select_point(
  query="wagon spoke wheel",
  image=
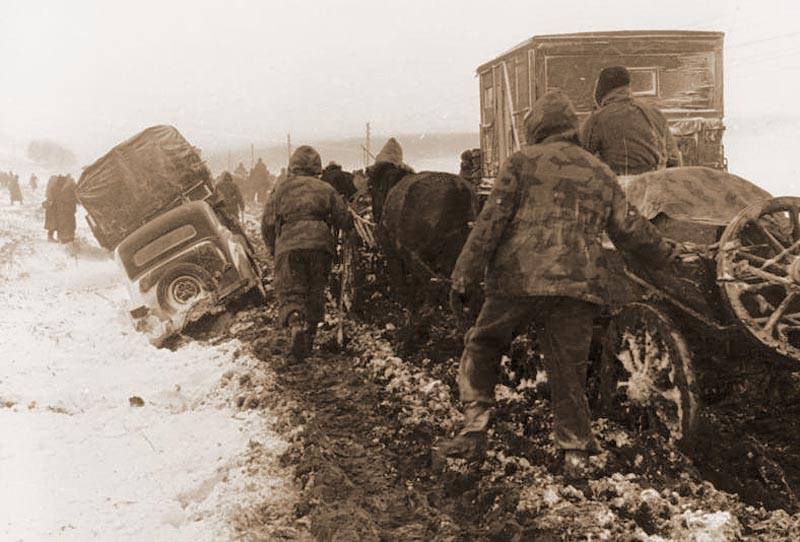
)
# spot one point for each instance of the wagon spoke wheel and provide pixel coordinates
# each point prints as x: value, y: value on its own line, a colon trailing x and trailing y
x: 758, y: 267
x: 646, y: 376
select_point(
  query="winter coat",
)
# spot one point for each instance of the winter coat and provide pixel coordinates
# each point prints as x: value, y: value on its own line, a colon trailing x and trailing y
x: 14, y: 190
x: 50, y: 202
x: 260, y: 180
x: 66, y: 208
x: 60, y: 206
x: 630, y: 136
x: 540, y: 230
x: 302, y: 210
x: 231, y: 195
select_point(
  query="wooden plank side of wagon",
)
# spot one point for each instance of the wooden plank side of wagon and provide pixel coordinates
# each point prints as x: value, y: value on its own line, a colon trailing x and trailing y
x: 679, y: 71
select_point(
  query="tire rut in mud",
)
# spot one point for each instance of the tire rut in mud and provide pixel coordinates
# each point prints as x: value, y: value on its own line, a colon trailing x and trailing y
x: 355, y: 487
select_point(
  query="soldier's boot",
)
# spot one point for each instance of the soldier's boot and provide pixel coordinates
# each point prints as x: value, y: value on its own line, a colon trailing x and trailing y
x: 297, y: 335
x: 470, y: 443
x: 311, y: 334
x: 576, y: 464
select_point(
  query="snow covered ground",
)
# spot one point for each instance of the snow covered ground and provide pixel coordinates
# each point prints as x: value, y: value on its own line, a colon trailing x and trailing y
x: 77, y: 460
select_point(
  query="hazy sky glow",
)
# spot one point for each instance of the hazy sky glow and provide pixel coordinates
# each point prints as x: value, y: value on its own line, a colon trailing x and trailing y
x: 91, y: 73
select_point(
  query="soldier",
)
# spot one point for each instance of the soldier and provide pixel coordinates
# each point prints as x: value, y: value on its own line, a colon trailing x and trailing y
x: 242, y: 179
x: 471, y: 166
x: 50, y: 205
x: 60, y: 206
x: 539, y: 241
x: 341, y: 180
x: 33, y: 182
x: 297, y: 227
x: 14, y: 190
x: 260, y: 181
x: 66, y: 208
x: 630, y: 136
x: 232, y: 197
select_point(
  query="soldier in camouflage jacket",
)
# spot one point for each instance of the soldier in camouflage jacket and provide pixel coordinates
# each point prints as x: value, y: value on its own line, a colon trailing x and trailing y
x: 298, y: 228
x: 537, y: 247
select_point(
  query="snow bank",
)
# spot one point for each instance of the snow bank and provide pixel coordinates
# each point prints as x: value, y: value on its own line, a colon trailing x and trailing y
x: 78, y: 459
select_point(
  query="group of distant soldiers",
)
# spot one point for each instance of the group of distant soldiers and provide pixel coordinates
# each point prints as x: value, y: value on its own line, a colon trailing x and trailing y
x: 535, y: 250
x: 10, y: 181
x: 60, y: 203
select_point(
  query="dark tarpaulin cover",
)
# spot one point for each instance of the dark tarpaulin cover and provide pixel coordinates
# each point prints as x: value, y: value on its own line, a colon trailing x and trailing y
x: 693, y: 194
x: 137, y: 180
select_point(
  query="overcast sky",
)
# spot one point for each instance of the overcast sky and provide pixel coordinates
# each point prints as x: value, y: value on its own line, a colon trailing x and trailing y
x: 92, y: 73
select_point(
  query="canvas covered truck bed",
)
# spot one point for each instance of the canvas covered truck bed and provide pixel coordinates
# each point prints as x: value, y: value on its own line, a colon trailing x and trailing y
x: 139, y: 179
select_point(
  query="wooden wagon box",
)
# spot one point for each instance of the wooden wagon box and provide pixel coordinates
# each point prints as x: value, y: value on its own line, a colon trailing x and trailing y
x: 678, y: 71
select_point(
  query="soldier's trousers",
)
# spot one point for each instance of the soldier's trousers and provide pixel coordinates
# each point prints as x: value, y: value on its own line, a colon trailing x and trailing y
x: 300, y: 280
x: 564, y: 328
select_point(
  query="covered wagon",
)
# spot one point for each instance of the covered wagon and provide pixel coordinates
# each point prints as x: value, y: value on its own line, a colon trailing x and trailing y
x: 680, y: 72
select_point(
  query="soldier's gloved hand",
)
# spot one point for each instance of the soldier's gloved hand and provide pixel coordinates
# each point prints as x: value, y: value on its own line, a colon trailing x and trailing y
x: 689, y: 252
x: 457, y: 302
x: 459, y: 298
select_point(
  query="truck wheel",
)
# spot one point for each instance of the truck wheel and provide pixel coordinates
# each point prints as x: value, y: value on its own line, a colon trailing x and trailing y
x: 646, y: 376
x: 183, y: 285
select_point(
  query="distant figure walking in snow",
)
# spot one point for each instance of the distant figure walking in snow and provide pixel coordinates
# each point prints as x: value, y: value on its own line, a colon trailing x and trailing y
x: 14, y: 190
x: 34, y: 182
x: 60, y: 206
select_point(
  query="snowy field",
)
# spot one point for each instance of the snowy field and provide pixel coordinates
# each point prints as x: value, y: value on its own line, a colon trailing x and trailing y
x: 77, y: 460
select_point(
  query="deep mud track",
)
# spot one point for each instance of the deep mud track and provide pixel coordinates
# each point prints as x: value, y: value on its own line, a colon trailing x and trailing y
x: 362, y: 423
x: 366, y: 421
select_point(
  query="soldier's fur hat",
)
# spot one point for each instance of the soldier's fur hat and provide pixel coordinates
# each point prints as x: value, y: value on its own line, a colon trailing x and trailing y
x: 609, y: 79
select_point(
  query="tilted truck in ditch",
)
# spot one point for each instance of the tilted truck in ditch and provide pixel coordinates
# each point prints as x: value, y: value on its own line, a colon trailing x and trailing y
x: 151, y: 201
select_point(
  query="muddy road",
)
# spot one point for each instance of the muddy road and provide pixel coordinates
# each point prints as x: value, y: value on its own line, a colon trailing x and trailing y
x: 362, y: 422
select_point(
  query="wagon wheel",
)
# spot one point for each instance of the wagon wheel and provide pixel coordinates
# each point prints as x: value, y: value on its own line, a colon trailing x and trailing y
x: 758, y: 267
x: 646, y: 376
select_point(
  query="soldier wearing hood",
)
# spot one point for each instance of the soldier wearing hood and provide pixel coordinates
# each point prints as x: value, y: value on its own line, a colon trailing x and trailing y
x: 536, y: 246
x: 632, y: 137
x: 298, y: 222
x: 259, y: 181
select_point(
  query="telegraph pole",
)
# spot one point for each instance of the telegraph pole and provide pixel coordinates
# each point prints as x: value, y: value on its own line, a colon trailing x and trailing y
x: 289, y: 145
x: 229, y: 160
x: 252, y: 156
x: 367, y: 152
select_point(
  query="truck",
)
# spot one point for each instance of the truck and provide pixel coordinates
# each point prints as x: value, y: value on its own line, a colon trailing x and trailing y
x: 151, y: 201
x: 680, y: 72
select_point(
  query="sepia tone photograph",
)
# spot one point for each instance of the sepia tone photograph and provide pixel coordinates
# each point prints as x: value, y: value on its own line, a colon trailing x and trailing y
x: 446, y: 271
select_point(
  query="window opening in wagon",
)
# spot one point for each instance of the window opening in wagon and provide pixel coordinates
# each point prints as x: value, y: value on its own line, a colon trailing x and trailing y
x: 644, y: 81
